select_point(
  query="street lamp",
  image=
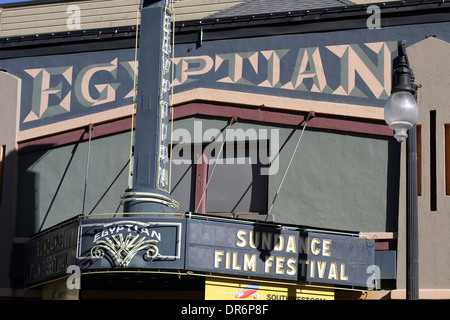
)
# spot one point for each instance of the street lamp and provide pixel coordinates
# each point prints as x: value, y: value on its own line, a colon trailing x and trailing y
x: 401, y: 110
x: 401, y: 113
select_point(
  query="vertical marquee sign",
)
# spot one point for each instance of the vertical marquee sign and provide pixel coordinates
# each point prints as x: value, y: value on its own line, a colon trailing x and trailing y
x: 151, y: 179
x: 165, y: 94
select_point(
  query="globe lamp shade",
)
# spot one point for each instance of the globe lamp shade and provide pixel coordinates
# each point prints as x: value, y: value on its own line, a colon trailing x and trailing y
x: 401, y: 113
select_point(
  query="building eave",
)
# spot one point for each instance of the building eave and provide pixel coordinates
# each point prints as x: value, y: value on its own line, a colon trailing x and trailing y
x: 396, y: 13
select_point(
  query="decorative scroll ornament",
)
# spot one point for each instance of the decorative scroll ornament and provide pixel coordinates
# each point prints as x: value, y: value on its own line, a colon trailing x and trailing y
x: 123, y: 250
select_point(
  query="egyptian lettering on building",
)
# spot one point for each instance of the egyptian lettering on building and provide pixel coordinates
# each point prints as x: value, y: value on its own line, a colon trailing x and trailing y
x: 274, y: 69
x: 68, y: 86
x: 65, y: 88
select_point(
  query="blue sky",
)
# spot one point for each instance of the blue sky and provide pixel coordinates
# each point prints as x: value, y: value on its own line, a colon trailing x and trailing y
x: 12, y: 1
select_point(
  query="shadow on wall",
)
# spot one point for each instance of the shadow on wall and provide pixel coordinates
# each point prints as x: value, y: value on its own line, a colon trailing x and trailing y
x: 26, y: 194
x: 28, y: 187
x: 393, y: 176
x: 52, y: 183
x: 393, y: 185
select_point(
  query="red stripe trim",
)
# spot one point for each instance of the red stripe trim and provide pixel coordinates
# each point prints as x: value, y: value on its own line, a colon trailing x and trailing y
x: 223, y: 111
x: 383, y: 245
x: 278, y: 117
x: 200, y: 183
x: 78, y: 135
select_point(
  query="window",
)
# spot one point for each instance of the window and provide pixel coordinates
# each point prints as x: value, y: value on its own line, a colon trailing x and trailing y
x: 235, y: 181
x: 220, y: 181
x: 447, y: 159
x: 2, y: 169
x: 419, y: 160
x: 433, y: 173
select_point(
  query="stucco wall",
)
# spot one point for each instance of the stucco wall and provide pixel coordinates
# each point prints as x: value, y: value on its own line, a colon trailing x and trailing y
x: 51, y: 183
x: 431, y: 71
x: 336, y: 180
x: 10, y: 100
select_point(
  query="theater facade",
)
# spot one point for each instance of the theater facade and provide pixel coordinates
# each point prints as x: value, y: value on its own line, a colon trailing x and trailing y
x: 240, y: 156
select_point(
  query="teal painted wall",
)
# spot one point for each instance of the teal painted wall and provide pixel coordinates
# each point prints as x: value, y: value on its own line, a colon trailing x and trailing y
x: 337, y: 180
x: 51, y: 183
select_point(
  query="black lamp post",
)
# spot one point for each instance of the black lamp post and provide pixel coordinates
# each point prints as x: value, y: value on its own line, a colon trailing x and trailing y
x: 401, y: 113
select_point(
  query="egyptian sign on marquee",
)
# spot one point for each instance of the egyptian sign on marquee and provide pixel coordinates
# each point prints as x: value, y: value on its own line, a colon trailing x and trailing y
x: 131, y: 243
x: 263, y: 251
